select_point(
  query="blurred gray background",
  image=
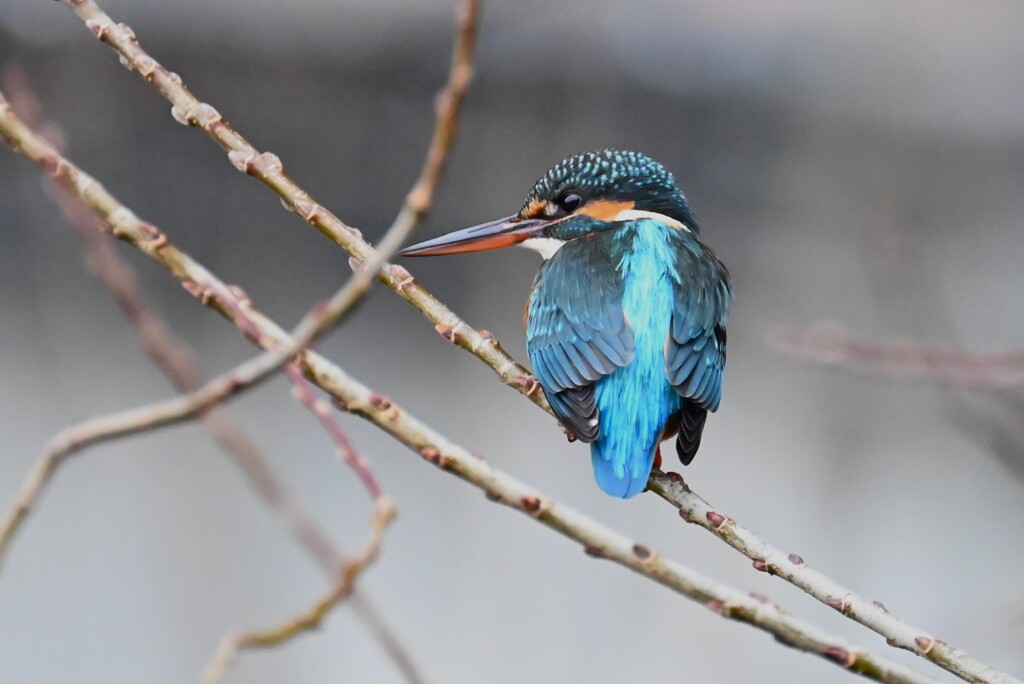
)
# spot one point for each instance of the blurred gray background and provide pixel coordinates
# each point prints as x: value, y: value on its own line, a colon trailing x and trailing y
x: 855, y: 161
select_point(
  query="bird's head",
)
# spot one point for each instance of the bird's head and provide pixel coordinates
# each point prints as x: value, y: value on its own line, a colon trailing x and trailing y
x: 580, y: 195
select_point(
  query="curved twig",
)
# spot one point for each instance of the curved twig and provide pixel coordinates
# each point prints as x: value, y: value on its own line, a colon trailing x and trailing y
x: 311, y: 618
x: 596, y: 539
x: 189, y: 110
x: 267, y: 167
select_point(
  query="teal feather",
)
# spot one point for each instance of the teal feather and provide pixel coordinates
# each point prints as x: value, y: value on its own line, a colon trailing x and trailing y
x: 635, y: 402
x: 625, y: 332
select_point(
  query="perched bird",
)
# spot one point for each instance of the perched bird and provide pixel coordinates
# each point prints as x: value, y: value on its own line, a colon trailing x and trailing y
x: 626, y: 320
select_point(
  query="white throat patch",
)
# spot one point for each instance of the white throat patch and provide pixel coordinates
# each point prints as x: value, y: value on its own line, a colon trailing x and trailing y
x: 545, y: 246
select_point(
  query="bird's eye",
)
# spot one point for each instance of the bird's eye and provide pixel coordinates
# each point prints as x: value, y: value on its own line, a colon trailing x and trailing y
x: 569, y: 202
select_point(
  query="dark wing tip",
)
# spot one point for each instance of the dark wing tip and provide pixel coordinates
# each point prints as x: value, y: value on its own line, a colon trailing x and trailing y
x: 691, y: 428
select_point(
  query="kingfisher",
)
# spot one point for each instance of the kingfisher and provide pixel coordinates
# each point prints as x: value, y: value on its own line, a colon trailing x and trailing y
x: 625, y: 324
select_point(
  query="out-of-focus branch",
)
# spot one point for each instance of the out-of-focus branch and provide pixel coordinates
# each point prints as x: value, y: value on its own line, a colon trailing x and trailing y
x: 323, y: 412
x: 267, y: 167
x: 792, y: 568
x: 348, y: 393
x: 171, y: 357
x: 168, y: 353
x: 175, y: 360
x: 245, y: 376
x: 159, y: 414
x: 829, y: 345
x: 312, y: 617
x: 189, y: 110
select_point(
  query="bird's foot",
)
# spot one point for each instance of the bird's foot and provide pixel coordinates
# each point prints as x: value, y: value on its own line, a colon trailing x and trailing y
x: 568, y: 433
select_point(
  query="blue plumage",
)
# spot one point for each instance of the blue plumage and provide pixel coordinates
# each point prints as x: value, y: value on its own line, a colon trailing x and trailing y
x: 623, y: 331
x: 626, y: 322
x: 636, y: 401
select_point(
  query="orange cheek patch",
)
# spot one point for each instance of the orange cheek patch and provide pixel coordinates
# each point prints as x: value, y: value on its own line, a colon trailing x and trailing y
x: 534, y: 209
x: 605, y: 210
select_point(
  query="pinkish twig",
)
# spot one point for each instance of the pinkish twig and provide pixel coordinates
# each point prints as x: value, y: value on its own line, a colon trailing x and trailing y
x: 831, y: 345
x: 598, y: 540
x: 312, y: 617
x: 323, y: 412
x: 175, y: 360
x: 187, y: 109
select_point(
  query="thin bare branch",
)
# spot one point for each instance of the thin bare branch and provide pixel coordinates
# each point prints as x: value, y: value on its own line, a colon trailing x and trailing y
x: 187, y: 109
x: 599, y: 541
x: 172, y: 357
x: 175, y: 360
x: 267, y: 167
x: 830, y: 345
x: 792, y: 568
x: 324, y: 413
x: 315, y: 614
x: 313, y: 325
x: 596, y: 539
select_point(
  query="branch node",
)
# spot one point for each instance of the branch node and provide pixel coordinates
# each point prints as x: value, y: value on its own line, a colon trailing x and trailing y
x: 97, y: 28
x: 380, y: 402
x: 842, y: 605
x: 146, y: 66
x: 404, y: 279
x: 717, y: 607
x: 720, y: 523
x: 445, y: 331
x: 243, y: 160
x: 207, y: 116
x: 532, y: 504
x: 129, y: 32
x: 686, y: 515
x: 527, y: 384
x: 419, y: 199
x: 840, y: 656
x: 795, y: 559
x: 924, y: 644
x: 271, y: 162
x: 762, y: 598
x: 241, y: 297
x: 642, y: 552
x: 431, y: 454
x: 182, y: 116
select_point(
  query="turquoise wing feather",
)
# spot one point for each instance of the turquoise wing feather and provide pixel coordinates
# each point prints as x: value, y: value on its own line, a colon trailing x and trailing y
x: 576, y: 331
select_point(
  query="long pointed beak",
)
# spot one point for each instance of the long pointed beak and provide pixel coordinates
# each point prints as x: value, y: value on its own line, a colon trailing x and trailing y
x: 504, y: 232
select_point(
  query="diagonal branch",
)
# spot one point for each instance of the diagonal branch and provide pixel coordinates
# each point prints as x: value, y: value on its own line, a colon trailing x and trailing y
x: 255, y: 371
x: 596, y: 539
x: 175, y: 360
x: 267, y: 167
x: 178, y: 365
x: 792, y: 568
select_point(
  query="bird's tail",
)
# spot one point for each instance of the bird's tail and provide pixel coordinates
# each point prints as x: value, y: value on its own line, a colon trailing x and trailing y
x: 621, y: 467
